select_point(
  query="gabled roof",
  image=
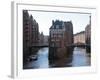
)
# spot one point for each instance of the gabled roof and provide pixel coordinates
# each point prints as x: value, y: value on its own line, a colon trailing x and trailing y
x: 55, y: 23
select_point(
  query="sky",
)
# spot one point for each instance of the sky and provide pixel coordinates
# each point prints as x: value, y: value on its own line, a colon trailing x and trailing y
x: 44, y: 19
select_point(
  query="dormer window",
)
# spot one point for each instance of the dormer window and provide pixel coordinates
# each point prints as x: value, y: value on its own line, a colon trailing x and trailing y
x: 57, y: 26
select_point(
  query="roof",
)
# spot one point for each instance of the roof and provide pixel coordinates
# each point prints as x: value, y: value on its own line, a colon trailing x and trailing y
x: 55, y: 23
x: 82, y: 32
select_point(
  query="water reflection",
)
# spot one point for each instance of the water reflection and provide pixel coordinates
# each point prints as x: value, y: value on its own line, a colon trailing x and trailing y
x: 78, y: 58
x: 41, y: 62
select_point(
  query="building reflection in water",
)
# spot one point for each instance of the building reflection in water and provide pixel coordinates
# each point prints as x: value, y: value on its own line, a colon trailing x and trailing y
x: 60, y: 57
x: 78, y: 58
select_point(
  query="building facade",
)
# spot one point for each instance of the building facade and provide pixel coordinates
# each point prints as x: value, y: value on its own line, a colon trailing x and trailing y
x: 88, y: 36
x: 68, y: 33
x: 60, y: 38
x: 46, y: 37
x: 79, y: 38
x: 41, y: 38
x: 88, y: 32
x: 56, y: 34
x: 30, y: 34
x: 26, y: 37
x: 35, y: 32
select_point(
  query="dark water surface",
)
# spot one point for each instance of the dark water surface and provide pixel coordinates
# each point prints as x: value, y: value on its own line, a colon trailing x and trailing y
x: 79, y: 58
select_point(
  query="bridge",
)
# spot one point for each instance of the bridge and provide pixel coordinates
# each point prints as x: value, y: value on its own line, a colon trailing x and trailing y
x: 79, y: 45
x: 40, y: 45
x: 72, y: 45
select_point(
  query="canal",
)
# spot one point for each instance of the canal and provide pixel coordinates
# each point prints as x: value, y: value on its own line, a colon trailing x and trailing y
x: 79, y: 58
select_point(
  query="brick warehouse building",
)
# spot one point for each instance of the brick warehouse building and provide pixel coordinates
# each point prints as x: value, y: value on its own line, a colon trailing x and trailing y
x: 30, y: 33
x: 88, y: 36
x: 60, y: 38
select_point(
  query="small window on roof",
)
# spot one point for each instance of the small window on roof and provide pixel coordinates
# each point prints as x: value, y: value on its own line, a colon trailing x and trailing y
x: 57, y: 26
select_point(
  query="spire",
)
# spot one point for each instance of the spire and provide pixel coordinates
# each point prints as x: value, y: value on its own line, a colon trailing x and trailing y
x: 52, y: 21
x: 90, y: 20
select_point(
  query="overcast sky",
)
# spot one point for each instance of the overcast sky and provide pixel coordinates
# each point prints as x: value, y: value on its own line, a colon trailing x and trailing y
x: 44, y: 19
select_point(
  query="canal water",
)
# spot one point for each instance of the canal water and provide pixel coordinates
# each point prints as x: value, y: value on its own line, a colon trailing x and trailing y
x: 79, y: 58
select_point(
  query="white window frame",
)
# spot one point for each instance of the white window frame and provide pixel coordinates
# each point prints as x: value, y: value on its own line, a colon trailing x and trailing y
x: 17, y: 70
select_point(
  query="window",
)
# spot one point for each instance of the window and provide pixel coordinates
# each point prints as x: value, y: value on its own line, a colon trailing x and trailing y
x: 57, y: 26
